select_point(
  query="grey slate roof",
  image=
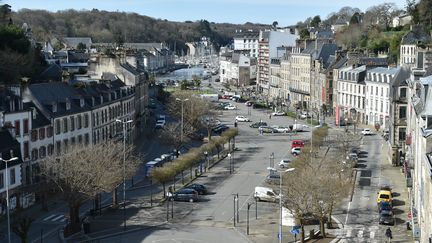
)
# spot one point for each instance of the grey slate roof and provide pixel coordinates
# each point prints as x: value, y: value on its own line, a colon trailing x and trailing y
x: 143, y: 46
x: 52, y: 73
x: 401, y: 77
x: 40, y: 120
x: 391, y: 71
x: 129, y: 68
x: 324, y: 53
x: 373, y: 61
x: 416, y: 36
x: 247, y: 35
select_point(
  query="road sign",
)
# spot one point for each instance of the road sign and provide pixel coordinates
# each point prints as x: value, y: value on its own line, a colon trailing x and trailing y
x: 295, y: 231
x: 279, y: 235
x: 296, y: 227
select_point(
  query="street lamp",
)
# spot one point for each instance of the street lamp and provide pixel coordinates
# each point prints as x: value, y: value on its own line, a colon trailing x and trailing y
x: 182, y: 111
x: 229, y: 156
x: 124, y: 169
x: 280, y: 201
x: 272, y: 160
x: 207, y: 160
x: 6, y: 161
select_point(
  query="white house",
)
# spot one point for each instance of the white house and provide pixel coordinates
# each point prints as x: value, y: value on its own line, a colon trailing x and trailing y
x: 378, y: 95
x: 246, y: 41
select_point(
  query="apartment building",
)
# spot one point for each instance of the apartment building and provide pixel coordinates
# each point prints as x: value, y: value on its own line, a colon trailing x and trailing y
x: 247, y: 41
x: 410, y: 44
x: 237, y: 69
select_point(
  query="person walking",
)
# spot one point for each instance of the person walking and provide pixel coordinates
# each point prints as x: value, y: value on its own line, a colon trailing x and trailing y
x: 270, y: 116
x: 388, y: 234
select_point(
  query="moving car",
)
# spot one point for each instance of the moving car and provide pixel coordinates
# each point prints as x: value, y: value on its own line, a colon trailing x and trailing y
x: 366, y: 131
x: 278, y: 113
x: 267, y: 129
x: 201, y: 189
x: 266, y: 194
x: 296, y: 151
x: 242, y: 119
x: 185, y: 194
x: 284, y: 163
x: 230, y: 107
x: 281, y: 129
x: 258, y: 124
x: 386, y: 217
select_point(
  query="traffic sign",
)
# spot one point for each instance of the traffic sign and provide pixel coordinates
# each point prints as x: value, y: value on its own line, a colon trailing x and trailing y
x: 295, y: 231
x: 279, y: 235
x: 296, y: 227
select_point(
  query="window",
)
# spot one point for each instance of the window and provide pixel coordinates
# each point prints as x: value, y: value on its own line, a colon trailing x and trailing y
x: 402, y: 92
x: 42, y: 152
x: 26, y: 150
x: 402, y: 112
x: 17, y: 128
x: 72, y: 123
x: 376, y: 91
x: 80, y: 139
x: 34, y: 135
x: 58, y: 147
x: 402, y: 134
x: 41, y: 133
x: 12, y: 176
x: 66, y: 144
x: 57, y: 127
x: 86, y: 120
x: 382, y: 91
x: 65, y: 125
x: 1, y: 180
x: 49, y: 132
x: 34, y: 154
x: 50, y: 149
x: 86, y: 139
x: 79, y: 122
x: 72, y: 141
x: 26, y: 126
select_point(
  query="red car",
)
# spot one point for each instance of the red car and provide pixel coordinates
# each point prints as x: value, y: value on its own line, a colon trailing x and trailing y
x: 297, y: 144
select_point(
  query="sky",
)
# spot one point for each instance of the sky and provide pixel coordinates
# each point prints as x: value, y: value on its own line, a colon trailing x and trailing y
x: 285, y: 12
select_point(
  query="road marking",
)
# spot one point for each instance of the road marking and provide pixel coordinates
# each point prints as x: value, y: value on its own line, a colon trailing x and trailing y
x: 372, y: 234
x: 49, y: 217
x: 360, y: 234
x: 348, y: 233
x: 346, y: 218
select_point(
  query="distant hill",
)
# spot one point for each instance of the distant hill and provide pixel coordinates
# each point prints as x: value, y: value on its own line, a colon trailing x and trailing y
x: 104, y: 26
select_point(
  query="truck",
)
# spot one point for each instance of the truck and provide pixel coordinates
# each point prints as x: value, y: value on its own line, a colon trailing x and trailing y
x: 210, y: 97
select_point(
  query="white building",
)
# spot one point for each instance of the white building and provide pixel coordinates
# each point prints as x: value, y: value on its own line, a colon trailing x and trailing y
x: 247, y: 41
x: 410, y: 44
x: 378, y: 95
x: 237, y: 69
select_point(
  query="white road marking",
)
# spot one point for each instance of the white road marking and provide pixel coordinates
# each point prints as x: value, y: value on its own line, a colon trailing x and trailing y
x: 372, y: 234
x: 346, y: 218
x: 360, y: 234
x: 49, y: 217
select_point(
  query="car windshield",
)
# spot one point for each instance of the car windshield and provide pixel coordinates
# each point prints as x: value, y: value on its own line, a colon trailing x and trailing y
x: 384, y: 196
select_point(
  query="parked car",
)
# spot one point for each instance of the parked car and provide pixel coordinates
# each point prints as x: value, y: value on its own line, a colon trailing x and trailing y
x: 267, y: 129
x: 298, y: 143
x: 355, y: 150
x: 220, y: 128
x: 385, y: 195
x: 266, y: 194
x: 273, y: 178
x: 284, y: 163
x: 384, y: 206
x: 386, y: 217
x: 366, y: 131
x: 201, y: 189
x: 296, y: 151
x: 281, y: 129
x: 186, y: 195
x: 242, y: 119
x: 160, y: 124
x: 230, y: 107
x: 258, y: 124
x: 249, y: 103
x: 352, y: 157
x: 278, y: 113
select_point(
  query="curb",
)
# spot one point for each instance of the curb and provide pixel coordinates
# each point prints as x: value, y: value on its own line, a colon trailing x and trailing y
x: 121, y: 233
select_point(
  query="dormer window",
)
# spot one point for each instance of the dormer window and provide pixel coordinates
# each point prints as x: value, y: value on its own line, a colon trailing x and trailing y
x: 54, y: 107
x: 81, y: 102
x: 68, y: 104
x: 402, y: 93
x: 101, y: 99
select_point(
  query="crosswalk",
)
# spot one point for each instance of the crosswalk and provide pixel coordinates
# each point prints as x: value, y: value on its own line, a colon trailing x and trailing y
x: 59, y: 218
x: 358, y: 233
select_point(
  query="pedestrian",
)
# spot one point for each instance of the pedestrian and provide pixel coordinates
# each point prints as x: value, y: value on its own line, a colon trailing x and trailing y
x: 260, y: 130
x: 270, y: 116
x: 388, y: 234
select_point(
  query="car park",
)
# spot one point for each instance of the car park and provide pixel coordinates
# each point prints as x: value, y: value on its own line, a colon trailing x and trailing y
x: 266, y: 194
x: 267, y: 129
x: 296, y: 151
x: 242, y: 119
x: 201, y: 189
x: 366, y: 131
x: 281, y: 129
x: 278, y: 113
x: 284, y: 163
x: 186, y: 195
x: 258, y: 124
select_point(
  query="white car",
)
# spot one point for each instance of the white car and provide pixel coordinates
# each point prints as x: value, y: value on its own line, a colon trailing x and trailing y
x: 284, y: 163
x: 296, y: 151
x: 230, y: 107
x: 278, y: 113
x: 366, y: 131
x: 281, y: 129
x: 242, y: 119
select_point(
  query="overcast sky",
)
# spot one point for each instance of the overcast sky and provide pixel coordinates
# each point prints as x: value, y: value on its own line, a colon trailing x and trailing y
x: 286, y: 12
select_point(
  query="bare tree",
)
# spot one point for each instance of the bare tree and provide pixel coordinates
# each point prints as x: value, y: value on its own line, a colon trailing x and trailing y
x: 82, y: 172
x: 21, y: 227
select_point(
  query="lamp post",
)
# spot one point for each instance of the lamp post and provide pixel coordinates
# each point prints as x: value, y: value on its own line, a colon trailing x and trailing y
x: 6, y: 161
x: 182, y: 120
x: 280, y: 201
x: 272, y: 160
x: 207, y: 160
x: 124, y: 169
x: 229, y: 156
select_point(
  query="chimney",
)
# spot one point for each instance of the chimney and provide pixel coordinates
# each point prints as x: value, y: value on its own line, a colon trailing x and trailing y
x: 54, y: 106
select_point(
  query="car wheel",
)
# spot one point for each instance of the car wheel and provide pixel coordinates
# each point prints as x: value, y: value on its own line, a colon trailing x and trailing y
x: 191, y: 200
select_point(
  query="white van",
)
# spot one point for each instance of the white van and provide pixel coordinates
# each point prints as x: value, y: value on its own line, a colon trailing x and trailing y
x: 266, y: 194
